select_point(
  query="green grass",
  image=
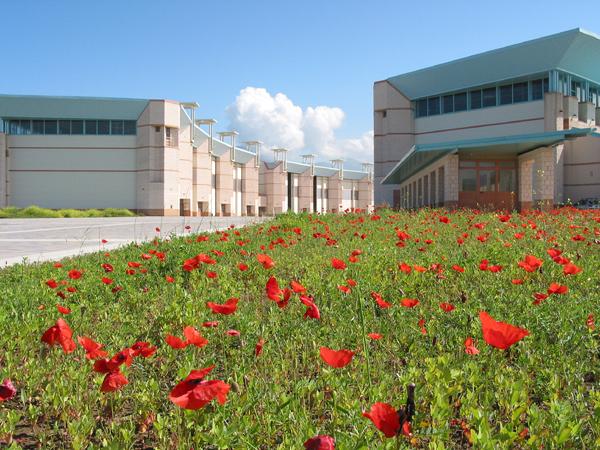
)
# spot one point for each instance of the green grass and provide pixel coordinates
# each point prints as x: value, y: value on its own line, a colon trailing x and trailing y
x: 12, y: 212
x: 547, y: 383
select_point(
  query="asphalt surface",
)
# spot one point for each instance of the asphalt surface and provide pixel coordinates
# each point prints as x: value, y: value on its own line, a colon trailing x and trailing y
x: 33, y: 240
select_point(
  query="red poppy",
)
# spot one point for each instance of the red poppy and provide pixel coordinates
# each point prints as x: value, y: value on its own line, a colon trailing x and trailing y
x: 385, y: 418
x: 272, y: 289
x: 194, y: 337
x: 409, y: 302
x: 57, y: 265
x: 92, y: 348
x: 379, y: 300
x: 447, y: 307
x: 60, y: 334
x: 420, y: 269
x: 259, y: 347
x: 590, y: 322
x: 539, y: 297
x: 405, y: 268
x: 500, y: 334
x: 517, y: 281
x: 113, y: 381
x: 75, y: 274
x: 52, y: 284
x: 175, y: 342
x: 458, y: 268
x: 106, y: 280
x: 243, y: 267
x: 297, y: 287
x: 338, y: 264
x: 344, y: 289
x: 210, y: 324
x: 312, y: 310
x: 444, y: 219
x: 233, y: 332
x: 336, y: 358
x: 63, y: 309
x: 211, y: 274
x: 351, y: 282
x: 320, y: 442
x: 571, y: 269
x: 265, y: 260
x: 375, y: 336
x: 194, y: 392
x: 7, y: 390
x: 531, y: 263
x: 143, y: 349
x: 556, y: 288
x: 287, y: 294
x: 227, y: 308
x: 421, y: 324
x: 470, y: 348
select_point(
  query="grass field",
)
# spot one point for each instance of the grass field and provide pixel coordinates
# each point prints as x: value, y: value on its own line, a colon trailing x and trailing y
x: 402, y: 290
x: 31, y: 212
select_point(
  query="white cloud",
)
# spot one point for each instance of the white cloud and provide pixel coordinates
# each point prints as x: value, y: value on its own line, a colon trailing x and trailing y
x: 278, y: 122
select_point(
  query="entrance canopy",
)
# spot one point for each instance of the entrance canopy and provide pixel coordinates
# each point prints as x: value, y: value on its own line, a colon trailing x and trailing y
x: 422, y: 155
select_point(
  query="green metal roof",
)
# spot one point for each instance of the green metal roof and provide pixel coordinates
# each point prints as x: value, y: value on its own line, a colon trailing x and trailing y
x: 421, y: 156
x: 575, y: 51
x: 47, y: 107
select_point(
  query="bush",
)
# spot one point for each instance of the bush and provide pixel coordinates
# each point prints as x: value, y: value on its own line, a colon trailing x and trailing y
x: 12, y: 212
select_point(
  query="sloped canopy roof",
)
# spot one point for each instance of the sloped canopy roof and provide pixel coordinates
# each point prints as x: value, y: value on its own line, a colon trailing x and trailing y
x: 575, y: 51
x: 47, y: 107
x: 421, y: 156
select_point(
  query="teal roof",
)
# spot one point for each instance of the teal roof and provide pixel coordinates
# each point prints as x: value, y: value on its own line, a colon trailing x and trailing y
x: 575, y: 51
x: 421, y: 156
x: 37, y: 106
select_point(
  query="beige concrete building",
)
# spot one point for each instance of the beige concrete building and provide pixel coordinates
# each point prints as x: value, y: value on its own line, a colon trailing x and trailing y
x: 515, y: 127
x: 307, y: 187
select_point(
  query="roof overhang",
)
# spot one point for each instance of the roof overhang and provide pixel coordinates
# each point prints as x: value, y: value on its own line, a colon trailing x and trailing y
x: 423, y: 155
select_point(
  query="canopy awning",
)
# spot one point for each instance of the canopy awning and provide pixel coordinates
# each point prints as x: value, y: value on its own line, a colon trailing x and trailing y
x: 422, y: 155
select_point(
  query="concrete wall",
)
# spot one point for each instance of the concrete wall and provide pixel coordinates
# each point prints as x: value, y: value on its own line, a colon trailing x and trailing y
x: 3, y: 171
x: 582, y: 169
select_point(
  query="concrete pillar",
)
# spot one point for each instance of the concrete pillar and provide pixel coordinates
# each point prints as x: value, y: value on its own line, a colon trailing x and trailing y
x: 451, y: 181
x: 525, y: 184
x: 305, y: 191
x: 3, y: 171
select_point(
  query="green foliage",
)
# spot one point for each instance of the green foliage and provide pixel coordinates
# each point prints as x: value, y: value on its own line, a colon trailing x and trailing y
x: 12, y: 212
x: 542, y: 392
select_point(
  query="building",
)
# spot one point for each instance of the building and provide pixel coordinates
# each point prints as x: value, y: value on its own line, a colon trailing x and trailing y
x: 150, y: 156
x: 510, y: 128
x: 307, y: 187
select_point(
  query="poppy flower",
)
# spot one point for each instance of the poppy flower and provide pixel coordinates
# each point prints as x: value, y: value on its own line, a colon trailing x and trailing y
x: 338, y: 264
x: 7, y: 390
x: 590, y: 322
x: 345, y: 289
x: 539, y: 297
x: 226, y: 308
x: 265, y: 260
x: 420, y: 269
x: 75, y: 274
x: 556, y: 288
x: 379, y: 300
x: 470, y: 348
x: 63, y: 309
x: 447, y: 307
x: 233, y: 332
x: 60, y: 334
x: 405, y: 268
x: 272, y: 289
x: 175, y: 342
x: 458, y: 268
x: 92, y: 348
x: 169, y: 279
x: 107, y: 280
x: 52, y: 284
x: 113, y: 381
x: 336, y: 358
x: 409, y: 302
x: 210, y: 324
x: 421, y: 324
x: 516, y: 281
x: 143, y: 349
x: 297, y: 287
x: 194, y: 337
x: 500, y: 334
x: 242, y: 267
x: 571, y: 269
x: 259, y: 347
x: 210, y: 274
x: 530, y: 263
x: 194, y: 392
x: 385, y: 418
x: 312, y: 310
x: 287, y: 294
x: 320, y: 442
x: 351, y: 282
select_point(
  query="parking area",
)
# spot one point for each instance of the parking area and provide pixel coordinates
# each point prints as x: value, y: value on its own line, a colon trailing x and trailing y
x: 33, y: 240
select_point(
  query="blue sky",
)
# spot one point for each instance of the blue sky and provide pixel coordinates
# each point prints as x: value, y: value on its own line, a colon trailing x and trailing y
x: 325, y: 53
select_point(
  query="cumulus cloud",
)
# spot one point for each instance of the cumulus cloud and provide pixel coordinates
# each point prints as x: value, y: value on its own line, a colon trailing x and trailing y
x: 278, y: 122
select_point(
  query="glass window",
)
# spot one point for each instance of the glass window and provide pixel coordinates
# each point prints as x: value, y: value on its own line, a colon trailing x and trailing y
x: 433, y: 106
x: 460, y: 101
x: 50, y: 127
x: 507, y: 181
x: 77, y: 127
x: 64, y: 127
x: 422, y: 107
x: 546, y: 84
x: 104, y: 127
x: 38, y: 127
x: 520, y: 92
x: 487, y: 164
x: 468, y: 164
x: 487, y: 180
x: 468, y: 180
x: 489, y: 97
x: 14, y: 127
x: 116, y: 127
x: 506, y: 163
x: 448, y: 103
x: 91, y: 127
x: 576, y: 89
x: 26, y: 126
x: 506, y: 93
x: 129, y: 127
x: 475, y: 99
x: 537, y: 92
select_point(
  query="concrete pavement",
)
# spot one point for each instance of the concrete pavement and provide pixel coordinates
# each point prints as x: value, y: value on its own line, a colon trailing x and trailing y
x: 33, y: 240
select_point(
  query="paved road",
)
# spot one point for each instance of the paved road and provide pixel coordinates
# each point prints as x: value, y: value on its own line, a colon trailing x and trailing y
x: 34, y: 240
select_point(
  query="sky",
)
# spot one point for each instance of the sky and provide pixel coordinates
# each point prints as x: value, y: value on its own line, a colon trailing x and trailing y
x: 293, y: 74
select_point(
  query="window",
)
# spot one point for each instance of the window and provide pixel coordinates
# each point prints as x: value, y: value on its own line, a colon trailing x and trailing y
x: 520, y: 92
x: 475, y: 99
x: 116, y: 127
x: 104, y: 127
x: 433, y: 106
x: 468, y: 180
x: 64, y: 127
x: 91, y: 127
x: 171, y: 137
x: 37, y: 127
x: 448, y: 103
x: 537, y: 92
x: 129, y: 127
x: 422, y: 107
x: 460, y: 101
x: 384, y: 114
x: 506, y: 94
x: 576, y: 89
x: 487, y: 180
x: 76, y: 126
x: 25, y: 126
x: 489, y: 97
x: 50, y: 127
x: 507, y: 180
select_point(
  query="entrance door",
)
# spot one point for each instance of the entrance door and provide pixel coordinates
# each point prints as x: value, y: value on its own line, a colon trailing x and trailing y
x: 488, y: 184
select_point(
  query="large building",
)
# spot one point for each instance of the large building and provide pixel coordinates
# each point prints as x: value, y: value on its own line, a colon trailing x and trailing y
x: 515, y: 127
x: 154, y: 157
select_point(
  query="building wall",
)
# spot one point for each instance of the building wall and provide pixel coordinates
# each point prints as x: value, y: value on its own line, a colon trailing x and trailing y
x: 274, y: 188
x: 306, y: 192
x: 582, y: 169
x: 250, y: 197
x: 3, y: 171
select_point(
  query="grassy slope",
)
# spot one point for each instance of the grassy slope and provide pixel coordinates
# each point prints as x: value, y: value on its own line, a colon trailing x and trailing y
x: 287, y: 394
